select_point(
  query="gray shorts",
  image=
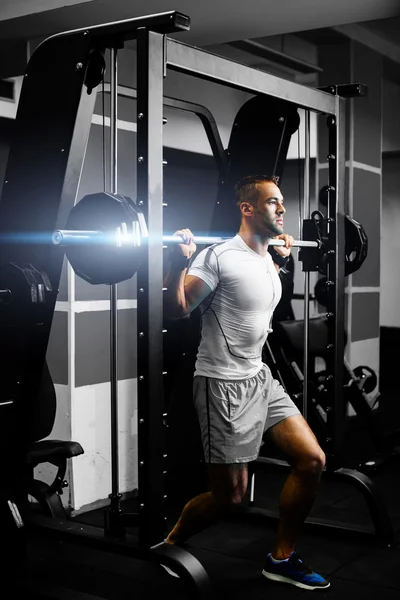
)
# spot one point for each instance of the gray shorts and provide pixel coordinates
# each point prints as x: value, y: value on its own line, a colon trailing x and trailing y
x: 234, y: 415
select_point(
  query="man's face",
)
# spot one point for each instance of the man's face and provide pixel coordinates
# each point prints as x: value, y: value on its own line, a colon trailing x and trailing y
x: 269, y: 210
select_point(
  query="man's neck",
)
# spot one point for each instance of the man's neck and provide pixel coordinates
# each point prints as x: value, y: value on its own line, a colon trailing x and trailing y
x: 256, y: 242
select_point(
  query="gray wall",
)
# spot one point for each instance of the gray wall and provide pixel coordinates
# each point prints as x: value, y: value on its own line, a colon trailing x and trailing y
x: 390, y: 244
x: 391, y: 121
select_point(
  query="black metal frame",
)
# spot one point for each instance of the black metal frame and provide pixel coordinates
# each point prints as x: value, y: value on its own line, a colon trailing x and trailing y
x: 151, y: 435
x: 204, y: 114
x: 335, y: 287
x: 40, y: 189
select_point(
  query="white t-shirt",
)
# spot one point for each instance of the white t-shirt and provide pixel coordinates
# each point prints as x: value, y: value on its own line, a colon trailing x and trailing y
x: 236, y: 316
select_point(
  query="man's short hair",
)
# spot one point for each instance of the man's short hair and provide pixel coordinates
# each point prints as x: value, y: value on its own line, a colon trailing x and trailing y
x: 246, y: 190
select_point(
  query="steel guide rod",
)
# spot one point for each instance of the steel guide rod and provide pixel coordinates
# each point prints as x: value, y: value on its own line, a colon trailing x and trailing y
x: 307, y: 273
x: 338, y: 325
x: 115, y: 495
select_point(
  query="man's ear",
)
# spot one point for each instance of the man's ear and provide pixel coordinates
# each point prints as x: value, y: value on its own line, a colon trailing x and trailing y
x: 247, y: 208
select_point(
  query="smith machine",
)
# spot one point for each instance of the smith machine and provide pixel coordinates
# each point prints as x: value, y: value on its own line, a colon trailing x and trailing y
x: 108, y: 237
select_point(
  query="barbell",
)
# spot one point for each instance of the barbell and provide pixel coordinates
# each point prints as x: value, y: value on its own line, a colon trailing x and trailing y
x: 105, y: 234
x: 122, y: 247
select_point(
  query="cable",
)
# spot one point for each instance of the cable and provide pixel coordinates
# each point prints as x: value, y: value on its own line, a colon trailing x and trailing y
x: 104, y: 137
x: 280, y: 146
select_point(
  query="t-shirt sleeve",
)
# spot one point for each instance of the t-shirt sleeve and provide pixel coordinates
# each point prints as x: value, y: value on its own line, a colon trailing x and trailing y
x: 205, y: 266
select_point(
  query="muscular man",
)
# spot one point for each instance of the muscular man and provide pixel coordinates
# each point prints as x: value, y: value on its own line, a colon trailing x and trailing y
x: 236, y: 285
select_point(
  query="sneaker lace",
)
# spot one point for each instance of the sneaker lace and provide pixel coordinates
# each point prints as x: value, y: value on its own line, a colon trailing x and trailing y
x: 296, y: 561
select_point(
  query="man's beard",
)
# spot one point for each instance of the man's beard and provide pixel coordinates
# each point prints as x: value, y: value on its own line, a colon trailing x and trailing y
x: 271, y: 230
x: 268, y: 228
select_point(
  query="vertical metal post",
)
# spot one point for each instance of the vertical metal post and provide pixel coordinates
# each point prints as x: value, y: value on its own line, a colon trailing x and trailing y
x: 151, y: 428
x: 307, y: 273
x: 335, y: 281
x: 112, y: 525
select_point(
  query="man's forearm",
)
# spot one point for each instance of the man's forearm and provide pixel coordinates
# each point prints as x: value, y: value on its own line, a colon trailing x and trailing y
x: 175, y: 303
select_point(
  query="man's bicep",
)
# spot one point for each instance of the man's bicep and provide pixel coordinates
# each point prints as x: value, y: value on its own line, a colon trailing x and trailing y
x: 196, y: 290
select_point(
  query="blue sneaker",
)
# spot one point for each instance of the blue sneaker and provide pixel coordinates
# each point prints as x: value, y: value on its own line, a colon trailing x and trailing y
x: 294, y: 571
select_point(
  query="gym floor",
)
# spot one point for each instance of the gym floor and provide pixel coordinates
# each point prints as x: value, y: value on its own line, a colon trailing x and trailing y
x: 233, y: 552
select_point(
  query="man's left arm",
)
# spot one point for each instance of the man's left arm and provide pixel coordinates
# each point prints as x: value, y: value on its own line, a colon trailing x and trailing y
x: 280, y: 254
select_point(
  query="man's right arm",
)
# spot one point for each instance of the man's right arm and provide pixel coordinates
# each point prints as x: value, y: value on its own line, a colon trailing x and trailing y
x: 183, y: 292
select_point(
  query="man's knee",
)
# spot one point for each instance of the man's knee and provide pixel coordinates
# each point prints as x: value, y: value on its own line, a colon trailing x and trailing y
x: 311, y: 463
x: 228, y: 499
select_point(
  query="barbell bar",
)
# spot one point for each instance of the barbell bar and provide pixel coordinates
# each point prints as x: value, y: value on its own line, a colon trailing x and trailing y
x: 105, y: 232
x: 67, y: 237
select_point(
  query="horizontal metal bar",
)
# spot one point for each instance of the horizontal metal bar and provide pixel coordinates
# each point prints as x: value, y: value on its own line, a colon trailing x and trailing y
x: 346, y: 90
x: 202, y: 64
x: 120, y: 31
x: 64, y: 237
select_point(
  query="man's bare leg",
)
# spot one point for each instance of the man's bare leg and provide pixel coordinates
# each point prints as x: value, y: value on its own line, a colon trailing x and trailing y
x: 228, y: 485
x: 300, y: 447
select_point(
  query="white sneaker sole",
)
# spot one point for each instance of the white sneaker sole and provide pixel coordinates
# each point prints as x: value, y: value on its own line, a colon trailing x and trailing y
x: 284, y: 579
